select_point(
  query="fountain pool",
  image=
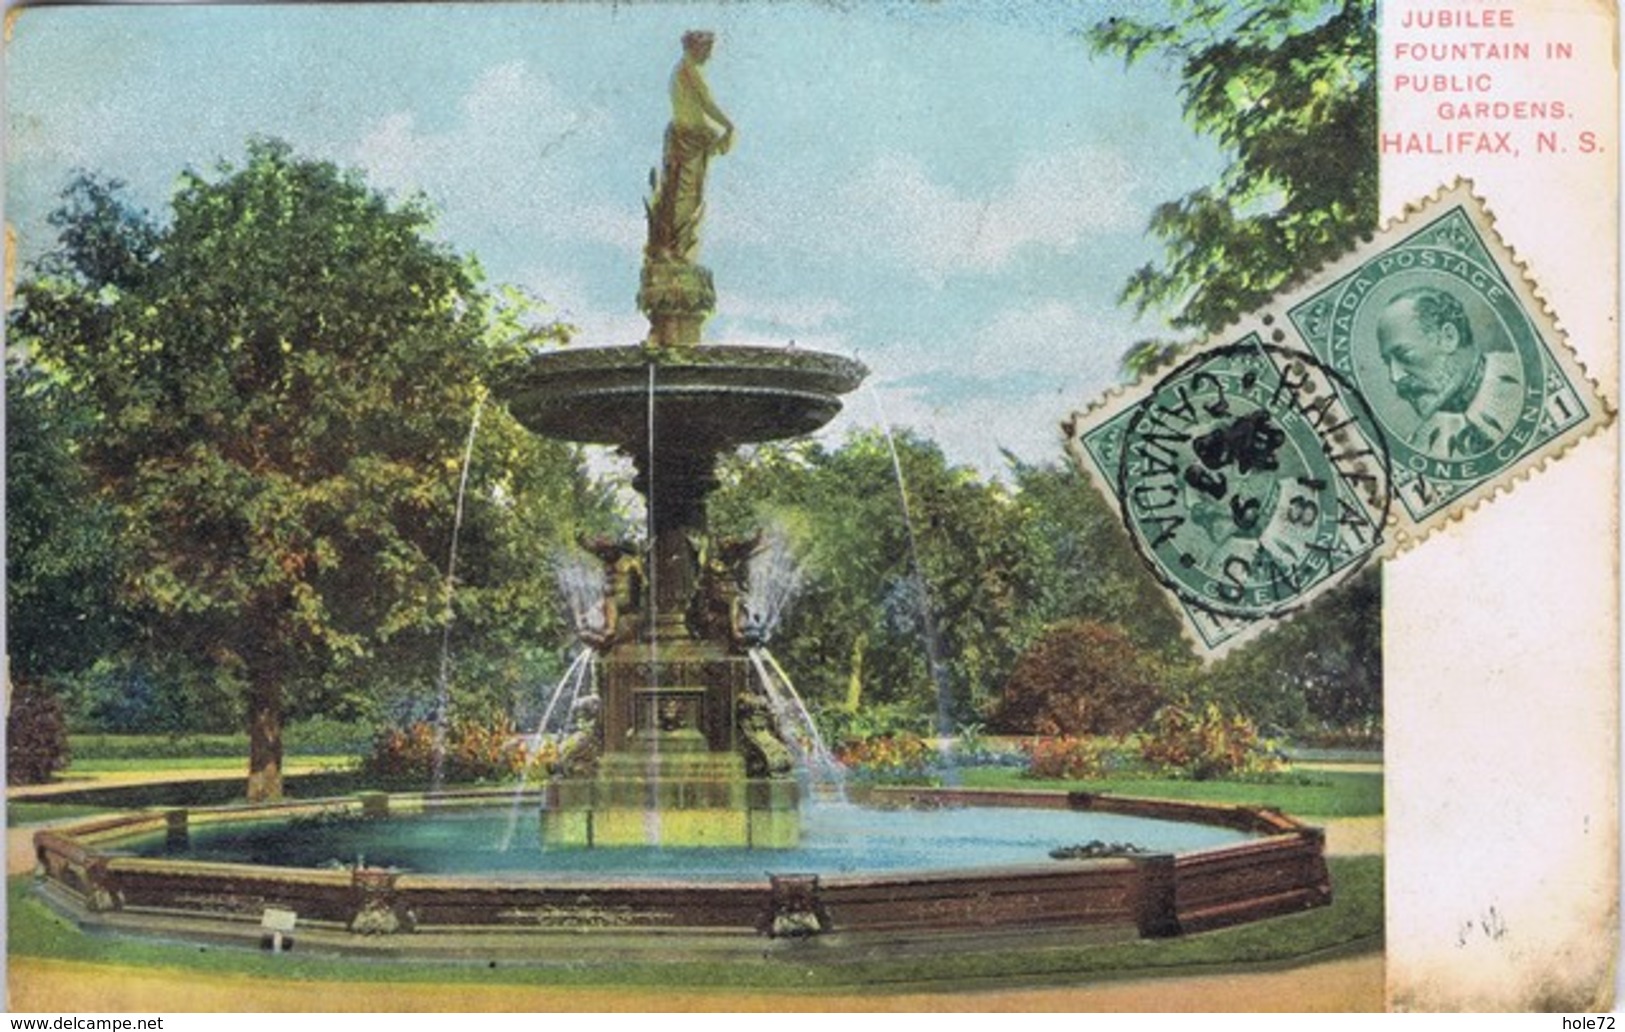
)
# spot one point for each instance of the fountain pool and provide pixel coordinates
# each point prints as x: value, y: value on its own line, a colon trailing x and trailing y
x: 425, y: 871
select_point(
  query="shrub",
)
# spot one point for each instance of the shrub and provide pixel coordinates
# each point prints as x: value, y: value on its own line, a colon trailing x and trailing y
x: 473, y: 751
x: 888, y: 757
x: 871, y: 721
x: 1080, y: 678
x: 36, y: 734
x: 1204, y: 742
x: 1064, y: 757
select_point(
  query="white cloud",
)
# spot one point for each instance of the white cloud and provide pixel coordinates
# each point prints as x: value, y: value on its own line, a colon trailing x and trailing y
x: 393, y: 153
x: 1054, y: 202
x: 1054, y: 336
x: 494, y: 160
x: 972, y: 431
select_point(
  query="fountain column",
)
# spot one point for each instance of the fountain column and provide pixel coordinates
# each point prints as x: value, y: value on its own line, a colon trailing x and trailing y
x: 674, y: 485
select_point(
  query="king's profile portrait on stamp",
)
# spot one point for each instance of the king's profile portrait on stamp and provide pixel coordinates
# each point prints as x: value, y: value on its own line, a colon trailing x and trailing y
x: 1467, y: 397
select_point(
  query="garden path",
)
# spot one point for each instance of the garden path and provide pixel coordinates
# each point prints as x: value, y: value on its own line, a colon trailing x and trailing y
x: 1341, y: 985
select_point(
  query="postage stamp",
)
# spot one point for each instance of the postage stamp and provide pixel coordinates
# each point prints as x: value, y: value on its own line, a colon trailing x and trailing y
x: 1248, y: 478
x: 1389, y: 393
x: 1463, y: 369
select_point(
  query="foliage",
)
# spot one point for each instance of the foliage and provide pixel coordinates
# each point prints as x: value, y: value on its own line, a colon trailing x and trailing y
x: 892, y: 757
x: 916, y: 612
x: 1288, y: 88
x: 1204, y: 742
x: 1064, y: 756
x: 1320, y: 670
x: 283, y: 378
x: 129, y: 693
x: 1077, y: 562
x: 62, y: 554
x: 36, y: 734
x: 105, y: 240
x: 1080, y: 677
x: 972, y: 747
x: 472, y: 751
x: 875, y: 721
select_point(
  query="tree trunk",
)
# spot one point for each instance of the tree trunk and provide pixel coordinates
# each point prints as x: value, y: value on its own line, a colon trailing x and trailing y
x: 264, y: 734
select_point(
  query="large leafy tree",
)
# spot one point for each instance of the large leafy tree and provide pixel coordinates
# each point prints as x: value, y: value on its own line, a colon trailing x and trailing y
x: 283, y: 377
x: 1288, y: 89
x: 61, y: 568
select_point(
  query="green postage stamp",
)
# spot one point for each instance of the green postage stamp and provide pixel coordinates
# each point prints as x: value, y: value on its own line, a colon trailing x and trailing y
x: 1389, y: 393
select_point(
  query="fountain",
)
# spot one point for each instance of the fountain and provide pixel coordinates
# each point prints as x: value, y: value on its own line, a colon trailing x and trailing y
x: 689, y: 752
x: 690, y: 739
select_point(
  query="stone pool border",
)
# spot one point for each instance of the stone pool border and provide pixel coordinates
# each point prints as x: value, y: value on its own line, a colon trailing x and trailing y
x: 378, y: 911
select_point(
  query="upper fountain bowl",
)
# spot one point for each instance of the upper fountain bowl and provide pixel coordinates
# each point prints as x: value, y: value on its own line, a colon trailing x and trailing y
x: 715, y: 397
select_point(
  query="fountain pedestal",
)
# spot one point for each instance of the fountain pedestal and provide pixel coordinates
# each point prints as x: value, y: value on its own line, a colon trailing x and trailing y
x: 673, y: 799
x: 673, y: 769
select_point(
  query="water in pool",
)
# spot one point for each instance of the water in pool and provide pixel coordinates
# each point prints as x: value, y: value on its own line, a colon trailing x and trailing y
x: 836, y: 839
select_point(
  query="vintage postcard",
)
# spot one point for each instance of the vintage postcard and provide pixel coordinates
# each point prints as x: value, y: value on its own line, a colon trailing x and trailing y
x: 1097, y: 505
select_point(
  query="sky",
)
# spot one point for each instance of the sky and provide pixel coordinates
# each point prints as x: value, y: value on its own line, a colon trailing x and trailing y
x: 952, y: 192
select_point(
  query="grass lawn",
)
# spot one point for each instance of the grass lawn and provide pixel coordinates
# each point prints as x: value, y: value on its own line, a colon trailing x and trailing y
x: 1304, y: 794
x: 23, y: 812
x: 1309, y: 794
x: 1352, y: 923
x: 91, y: 798
x: 190, y: 763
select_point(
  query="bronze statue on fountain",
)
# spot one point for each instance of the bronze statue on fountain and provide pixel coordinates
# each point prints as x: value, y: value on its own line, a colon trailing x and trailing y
x: 688, y: 751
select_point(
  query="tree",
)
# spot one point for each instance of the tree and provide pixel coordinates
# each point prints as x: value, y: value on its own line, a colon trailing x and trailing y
x: 1080, y: 678
x: 1078, y: 563
x: 1320, y: 671
x: 918, y: 611
x: 283, y: 378
x: 1288, y: 87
